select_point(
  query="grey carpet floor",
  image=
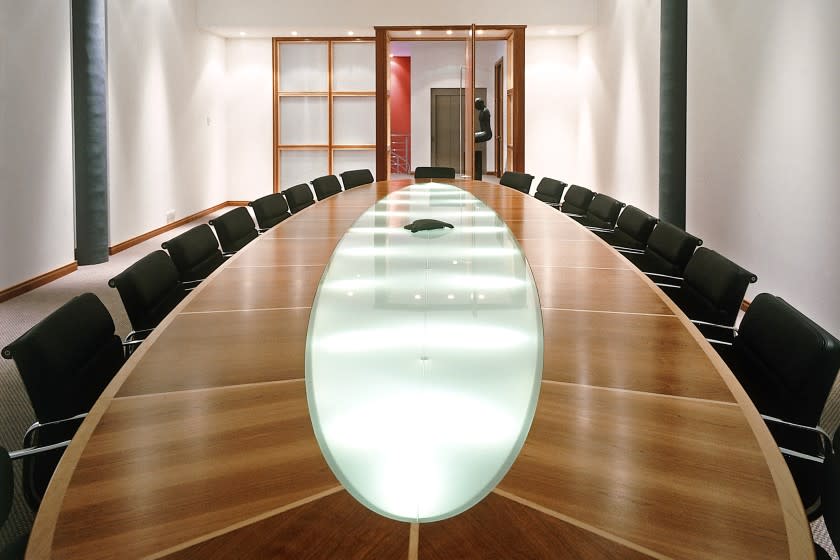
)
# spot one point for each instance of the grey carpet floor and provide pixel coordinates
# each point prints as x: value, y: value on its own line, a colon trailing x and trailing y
x: 19, y: 314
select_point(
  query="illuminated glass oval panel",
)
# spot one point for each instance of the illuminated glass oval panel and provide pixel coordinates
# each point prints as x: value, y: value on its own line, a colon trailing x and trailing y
x: 424, y: 355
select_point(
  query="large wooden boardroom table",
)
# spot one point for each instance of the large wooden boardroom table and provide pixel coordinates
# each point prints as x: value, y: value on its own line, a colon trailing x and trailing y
x: 643, y: 445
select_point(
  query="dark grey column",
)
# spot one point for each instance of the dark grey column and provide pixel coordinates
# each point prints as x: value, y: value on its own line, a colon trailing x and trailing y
x: 672, y: 107
x: 90, y: 130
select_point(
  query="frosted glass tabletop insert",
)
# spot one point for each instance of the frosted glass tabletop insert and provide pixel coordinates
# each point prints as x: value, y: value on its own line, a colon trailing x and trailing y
x: 424, y: 355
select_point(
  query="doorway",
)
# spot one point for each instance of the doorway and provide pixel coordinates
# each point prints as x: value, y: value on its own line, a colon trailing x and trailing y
x: 448, y: 108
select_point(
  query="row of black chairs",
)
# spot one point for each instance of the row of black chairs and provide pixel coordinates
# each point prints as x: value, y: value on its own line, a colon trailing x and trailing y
x: 786, y: 363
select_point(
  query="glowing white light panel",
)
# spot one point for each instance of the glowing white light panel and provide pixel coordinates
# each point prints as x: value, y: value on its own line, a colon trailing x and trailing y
x: 424, y: 355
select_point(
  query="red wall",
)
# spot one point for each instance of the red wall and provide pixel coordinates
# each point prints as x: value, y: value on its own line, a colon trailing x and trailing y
x: 401, y: 95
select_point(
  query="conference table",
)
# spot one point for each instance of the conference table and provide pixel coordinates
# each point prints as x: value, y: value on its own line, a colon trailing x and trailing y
x: 642, y: 443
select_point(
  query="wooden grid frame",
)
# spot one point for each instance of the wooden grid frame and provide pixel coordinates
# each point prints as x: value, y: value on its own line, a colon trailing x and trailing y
x: 330, y: 94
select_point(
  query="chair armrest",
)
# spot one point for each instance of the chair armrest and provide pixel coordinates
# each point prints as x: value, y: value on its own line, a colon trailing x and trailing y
x: 38, y: 425
x: 825, y: 439
x: 628, y: 250
x: 670, y: 277
x: 26, y: 452
x: 600, y: 229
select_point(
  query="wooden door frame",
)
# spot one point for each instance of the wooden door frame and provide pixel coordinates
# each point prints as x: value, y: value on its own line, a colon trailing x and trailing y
x: 498, y: 102
x: 517, y: 37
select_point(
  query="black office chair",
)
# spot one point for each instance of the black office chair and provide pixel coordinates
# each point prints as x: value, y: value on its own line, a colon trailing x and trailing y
x: 667, y: 253
x: 235, y: 229
x: 602, y: 213
x: 632, y: 230
x: 711, y: 292
x: 326, y: 186
x: 787, y: 365
x: 149, y: 290
x: 434, y: 173
x: 516, y: 180
x: 270, y: 210
x: 65, y: 362
x: 577, y: 201
x: 550, y: 191
x: 195, y: 253
x: 299, y: 197
x: 356, y: 178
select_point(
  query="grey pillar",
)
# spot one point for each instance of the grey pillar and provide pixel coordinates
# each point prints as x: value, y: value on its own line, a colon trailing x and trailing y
x: 672, y: 107
x: 90, y: 130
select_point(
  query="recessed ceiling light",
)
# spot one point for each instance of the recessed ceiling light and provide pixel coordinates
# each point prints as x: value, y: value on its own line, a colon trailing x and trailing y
x: 350, y: 33
x: 480, y: 32
x: 552, y: 32
x: 242, y: 33
x: 449, y: 32
x: 294, y: 33
x: 418, y: 32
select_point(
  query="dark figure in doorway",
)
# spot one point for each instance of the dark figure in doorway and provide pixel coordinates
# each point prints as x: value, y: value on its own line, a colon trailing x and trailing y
x: 485, y: 133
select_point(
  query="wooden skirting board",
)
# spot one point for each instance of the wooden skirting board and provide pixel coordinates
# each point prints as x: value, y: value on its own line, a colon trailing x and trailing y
x: 37, y: 282
x: 113, y: 250
x: 47, y: 277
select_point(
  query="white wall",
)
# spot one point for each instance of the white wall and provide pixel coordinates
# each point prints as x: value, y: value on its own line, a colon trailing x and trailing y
x: 763, y: 143
x: 36, y: 169
x: 618, y: 137
x: 166, y: 115
x: 552, y: 98
x: 249, y: 136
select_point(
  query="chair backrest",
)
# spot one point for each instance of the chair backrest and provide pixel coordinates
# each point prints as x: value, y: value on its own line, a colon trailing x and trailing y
x: 636, y: 223
x: 434, y: 173
x: 195, y: 253
x: 149, y: 289
x: 356, y: 177
x: 718, y: 282
x: 67, y: 359
x: 673, y: 245
x: 550, y: 190
x: 7, y: 487
x: 603, y: 211
x: 270, y: 210
x: 794, y: 357
x: 299, y: 197
x: 235, y: 229
x: 577, y: 200
x: 326, y: 186
x: 516, y: 180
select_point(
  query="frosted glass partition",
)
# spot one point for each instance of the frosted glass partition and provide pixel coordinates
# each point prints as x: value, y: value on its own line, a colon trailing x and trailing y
x: 345, y: 160
x: 301, y: 166
x: 354, y: 120
x: 304, y: 67
x: 304, y: 120
x: 354, y: 66
x: 424, y: 355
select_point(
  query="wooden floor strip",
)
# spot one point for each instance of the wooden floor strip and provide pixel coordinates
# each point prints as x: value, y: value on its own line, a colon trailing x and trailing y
x: 208, y: 389
x: 582, y: 525
x: 641, y: 393
x: 610, y: 312
x: 414, y: 542
x: 241, y: 310
x: 244, y: 523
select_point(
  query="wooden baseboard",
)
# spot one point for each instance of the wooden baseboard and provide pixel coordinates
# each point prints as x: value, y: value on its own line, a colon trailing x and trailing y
x: 37, y: 282
x: 113, y: 250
